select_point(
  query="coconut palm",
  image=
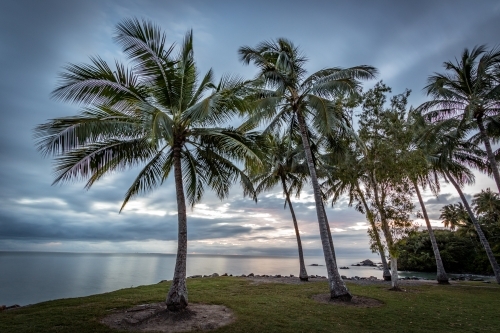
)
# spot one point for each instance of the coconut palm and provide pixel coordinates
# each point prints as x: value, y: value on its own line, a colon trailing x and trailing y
x: 344, y: 173
x: 453, y: 216
x: 469, y: 91
x: 286, y: 95
x: 280, y: 167
x: 157, y: 114
x: 487, y: 203
x: 422, y: 175
x: 453, y: 153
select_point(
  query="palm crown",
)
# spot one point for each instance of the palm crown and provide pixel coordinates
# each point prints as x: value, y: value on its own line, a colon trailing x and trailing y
x: 156, y: 114
x: 469, y: 92
x: 146, y: 114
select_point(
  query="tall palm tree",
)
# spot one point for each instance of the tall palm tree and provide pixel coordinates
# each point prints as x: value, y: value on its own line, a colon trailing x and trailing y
x: 281, y: 167
x: 421, y: 173
x: 441, y: 276
x: 469, y: 91
x: 286, y: 95
x: 157, y: 114
x: 477, y: 226
x: 452, y: 156
x: 344, y: 173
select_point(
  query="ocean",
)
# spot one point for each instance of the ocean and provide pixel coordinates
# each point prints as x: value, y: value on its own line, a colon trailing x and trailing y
x: 33, y: 277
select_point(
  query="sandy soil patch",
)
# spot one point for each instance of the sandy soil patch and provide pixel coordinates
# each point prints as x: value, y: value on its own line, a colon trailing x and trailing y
x: 286, y: 280
x: 155, y: 317
x: 356, y: 301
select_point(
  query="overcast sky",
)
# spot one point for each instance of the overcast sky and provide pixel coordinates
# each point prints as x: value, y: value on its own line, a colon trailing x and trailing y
x: 406, y: 41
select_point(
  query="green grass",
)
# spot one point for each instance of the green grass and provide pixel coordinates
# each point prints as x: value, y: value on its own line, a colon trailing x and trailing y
x: 465, y: 307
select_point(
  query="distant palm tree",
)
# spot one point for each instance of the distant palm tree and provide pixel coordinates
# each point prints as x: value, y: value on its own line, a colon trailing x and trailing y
x: 422, y: 174
x: 453, y: 216
x: 286, y: 96
x: 281, y: 167
x: 469, y: 90
x: 158, y: 115
x: 344, y: 174
x: 487, y: 203
x: 452, y: 155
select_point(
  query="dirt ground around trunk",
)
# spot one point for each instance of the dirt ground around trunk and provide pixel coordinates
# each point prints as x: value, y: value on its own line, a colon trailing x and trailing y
x: 296, y: 280
x: 356, y: 301
x: 155, y: 317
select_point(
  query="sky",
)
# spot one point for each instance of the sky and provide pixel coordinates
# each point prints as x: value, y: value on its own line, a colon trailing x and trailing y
x: 406, y: 41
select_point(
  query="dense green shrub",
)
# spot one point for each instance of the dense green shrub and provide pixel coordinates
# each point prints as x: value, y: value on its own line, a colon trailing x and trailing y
x: 460, y: 253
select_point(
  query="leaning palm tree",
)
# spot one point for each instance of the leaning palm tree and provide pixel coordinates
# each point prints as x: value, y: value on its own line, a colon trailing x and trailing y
x: 344, y: 174
x: 452, y: 156
x: 469, y: 91
x: 421, y: 174
x: 285, y: 95
x: 156, y: 114
x: 281, y: 167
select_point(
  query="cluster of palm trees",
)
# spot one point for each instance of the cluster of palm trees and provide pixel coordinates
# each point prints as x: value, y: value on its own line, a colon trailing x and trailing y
x: 160, y: 114
x: 485, y: 206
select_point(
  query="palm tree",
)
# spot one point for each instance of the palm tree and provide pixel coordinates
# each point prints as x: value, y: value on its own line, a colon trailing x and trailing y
x: 488, y: 204
x: 470, y: 90
x: 452, y: 155
x: 285, y: 95
x: 420, y: 173
x: 453, y: 216
x: 280, y: 167
x: 157, y: 114
x: 344, y: 173
x: 441, y: 276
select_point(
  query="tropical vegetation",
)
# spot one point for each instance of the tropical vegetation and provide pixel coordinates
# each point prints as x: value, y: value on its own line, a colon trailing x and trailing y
x: 285, y: 97
x: 292, y: 130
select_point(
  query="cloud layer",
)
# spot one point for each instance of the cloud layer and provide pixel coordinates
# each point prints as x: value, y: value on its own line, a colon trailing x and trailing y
x: 406, y: 41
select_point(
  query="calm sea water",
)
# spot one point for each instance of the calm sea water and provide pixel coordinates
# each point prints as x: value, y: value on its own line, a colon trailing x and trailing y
x: 32, y: 277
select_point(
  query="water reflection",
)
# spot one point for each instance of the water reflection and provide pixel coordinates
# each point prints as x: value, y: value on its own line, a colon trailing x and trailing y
x: 29, y: 277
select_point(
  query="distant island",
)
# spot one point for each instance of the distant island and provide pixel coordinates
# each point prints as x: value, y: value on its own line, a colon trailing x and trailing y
x: 366, y: 262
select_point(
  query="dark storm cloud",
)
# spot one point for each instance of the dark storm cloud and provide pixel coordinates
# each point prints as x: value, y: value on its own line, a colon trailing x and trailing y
x: 407, y: 41
x: 131, y: 227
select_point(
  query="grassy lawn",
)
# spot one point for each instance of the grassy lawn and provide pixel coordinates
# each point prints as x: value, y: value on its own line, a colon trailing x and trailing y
x: 465, y: 307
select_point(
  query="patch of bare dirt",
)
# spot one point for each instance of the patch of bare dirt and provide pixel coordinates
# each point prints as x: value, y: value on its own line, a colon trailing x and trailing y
x: 356, y: 301
x: 155, y: 317
x: 286, y: 280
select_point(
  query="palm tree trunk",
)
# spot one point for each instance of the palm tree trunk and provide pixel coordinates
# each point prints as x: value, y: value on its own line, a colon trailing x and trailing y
x: 387, y: 234
x: 482, y: 238
x: 441, y: 277
x: 177, y: 297
x: 386, y: 273
x: 303, y: 273
x: 338, y: 289
x: 489, y: 151
x: 330, y: 238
